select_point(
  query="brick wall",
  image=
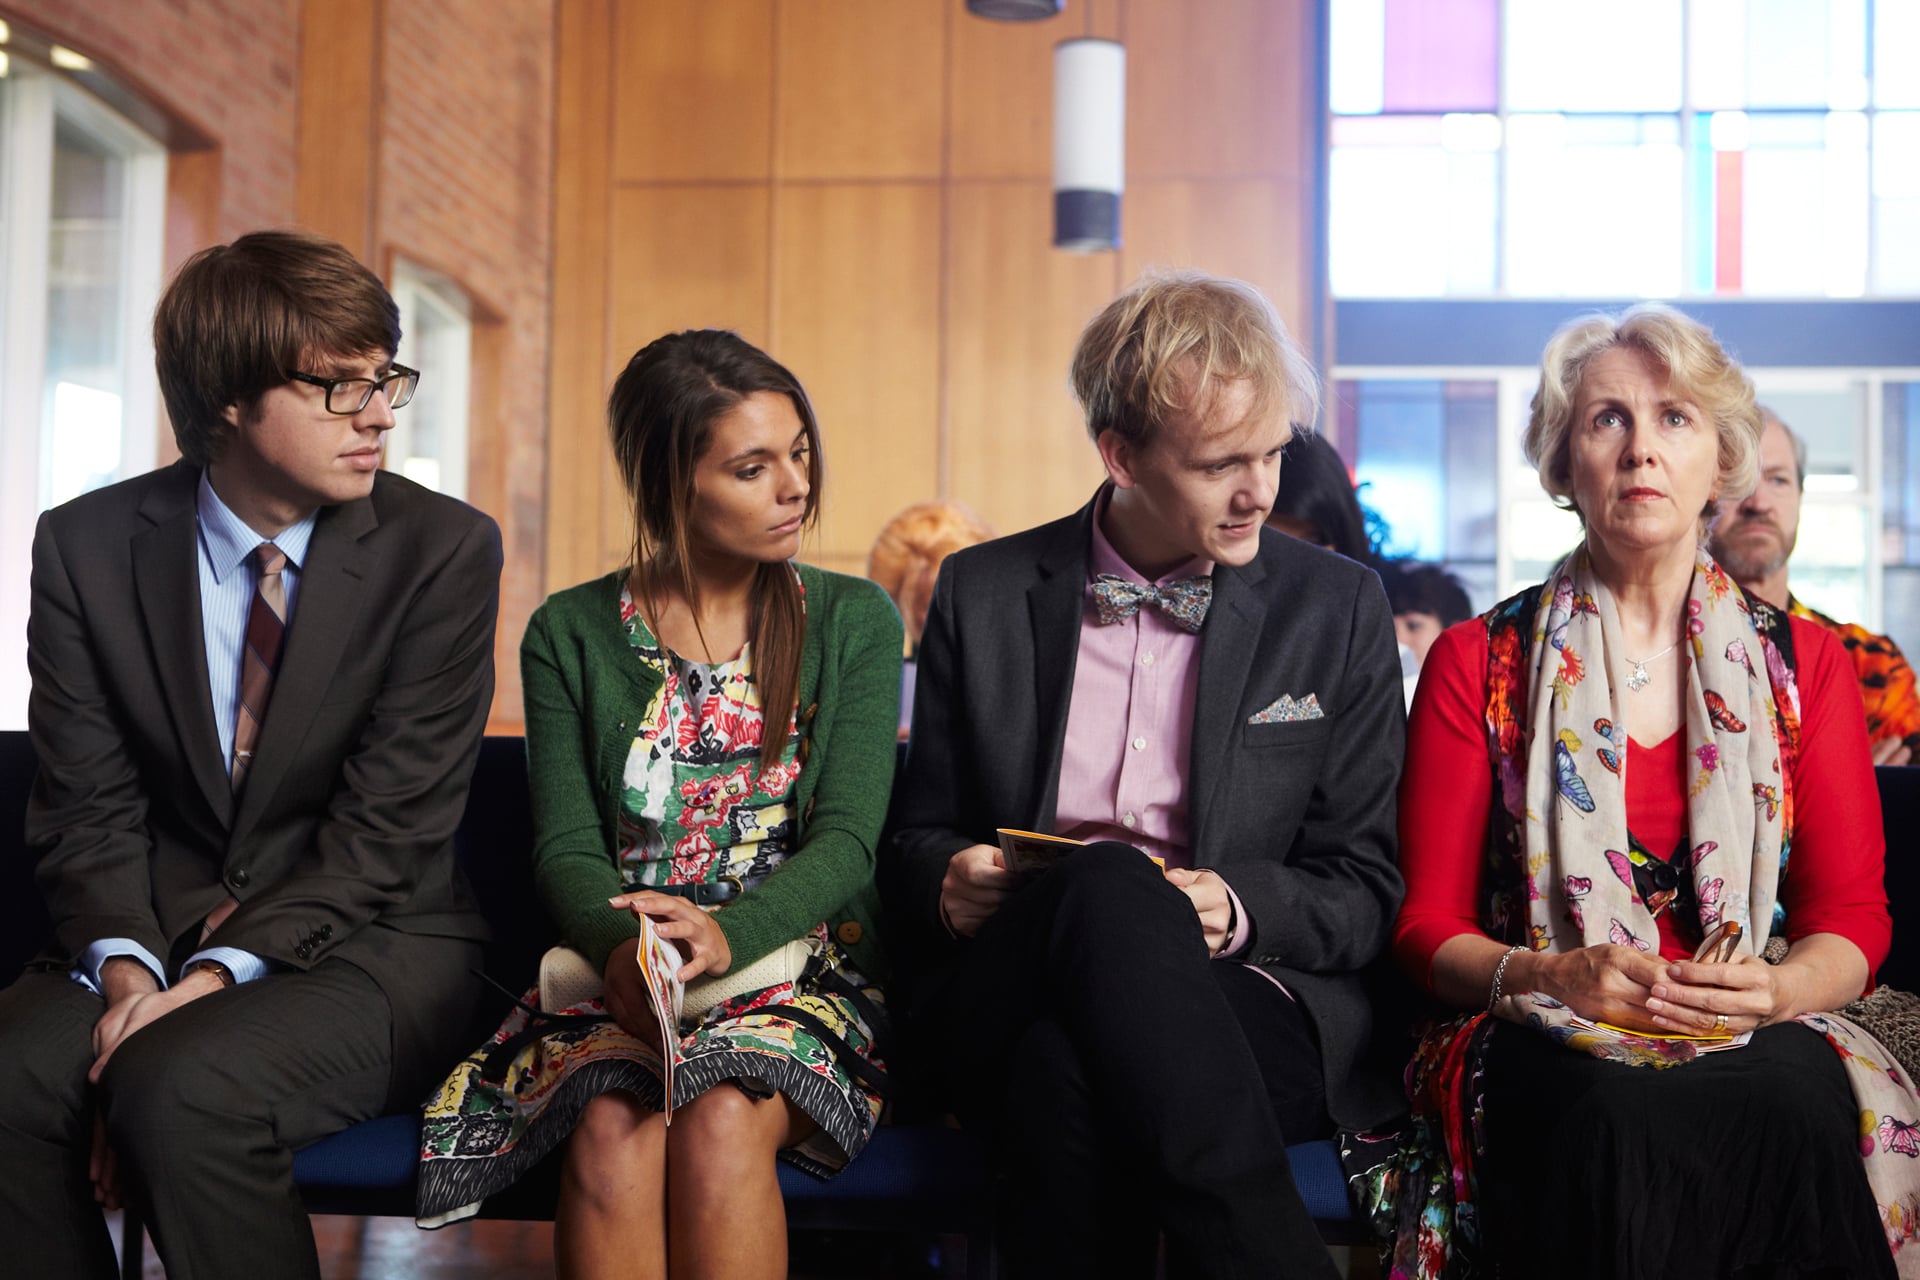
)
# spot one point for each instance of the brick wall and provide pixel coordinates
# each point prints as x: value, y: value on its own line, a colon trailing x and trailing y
x: 461, y: 182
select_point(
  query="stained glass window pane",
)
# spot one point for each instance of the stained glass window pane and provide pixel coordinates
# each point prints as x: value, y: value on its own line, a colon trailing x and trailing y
x: 1786, y: 53
x: 1356, y: 62
x: 1384, y: 239
x: 1804, y: 206
x: 1896, y: 53
x: 1442, y: 55
x: 1619, y: 56
x: 1896, y: 190
x: 1599, y: 218
x: 1716, y: 54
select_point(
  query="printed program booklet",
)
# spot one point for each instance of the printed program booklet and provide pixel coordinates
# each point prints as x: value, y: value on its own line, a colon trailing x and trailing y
x: 1030, y: 852
x: 660, y: 962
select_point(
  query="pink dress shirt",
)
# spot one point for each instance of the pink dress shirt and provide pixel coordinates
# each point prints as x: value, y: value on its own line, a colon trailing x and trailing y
x: 1123, y: 772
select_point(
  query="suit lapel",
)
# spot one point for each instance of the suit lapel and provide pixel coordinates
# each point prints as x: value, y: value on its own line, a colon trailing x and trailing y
x: 166, y: 581
x: 1056, y: 602
x: 332, y: 589
x: 1228, y: 644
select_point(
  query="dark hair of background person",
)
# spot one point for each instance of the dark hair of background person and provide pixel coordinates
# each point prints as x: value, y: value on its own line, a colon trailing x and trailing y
x: 1416, y: 587
x: 238, y: 317
x: 661, y: 414
x: 1316, y: 501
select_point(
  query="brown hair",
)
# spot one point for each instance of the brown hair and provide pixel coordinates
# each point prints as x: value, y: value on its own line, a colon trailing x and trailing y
x: 1695, y: 365
x: 237, y: 317
x: 661, y: 413
x: 1161, y: 349
x: 907, y: 555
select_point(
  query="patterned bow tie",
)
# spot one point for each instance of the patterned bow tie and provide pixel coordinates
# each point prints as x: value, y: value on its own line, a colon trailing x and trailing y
x: 1185, y: 601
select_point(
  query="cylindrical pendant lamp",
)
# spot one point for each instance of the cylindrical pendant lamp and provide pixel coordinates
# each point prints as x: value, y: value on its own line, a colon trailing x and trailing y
x: 1089, y: 143
x: 1015, y: 10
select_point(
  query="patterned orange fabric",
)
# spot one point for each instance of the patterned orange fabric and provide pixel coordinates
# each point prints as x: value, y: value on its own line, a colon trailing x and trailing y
x: 1886, y: 681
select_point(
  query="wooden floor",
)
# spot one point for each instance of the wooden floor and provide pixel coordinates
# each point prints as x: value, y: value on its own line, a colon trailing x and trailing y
x: 395, y: 1249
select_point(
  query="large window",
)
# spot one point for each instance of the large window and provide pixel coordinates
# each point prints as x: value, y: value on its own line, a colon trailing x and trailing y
x: 82, y: 199
x: 1638, y: 148
x: 428, y: 443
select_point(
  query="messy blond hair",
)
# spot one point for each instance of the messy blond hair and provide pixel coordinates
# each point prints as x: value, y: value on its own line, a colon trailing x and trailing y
x: 1696, y: 367
x: 1163, y: 348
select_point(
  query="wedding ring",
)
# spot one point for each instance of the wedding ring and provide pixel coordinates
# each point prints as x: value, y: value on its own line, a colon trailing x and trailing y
x: 1720, y: 1023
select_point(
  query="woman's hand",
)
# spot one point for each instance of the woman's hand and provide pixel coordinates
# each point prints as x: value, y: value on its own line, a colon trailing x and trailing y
x: 687, y: 926
x: 1604, y: 983
x: 627, y: 997
x: 1691, y: 998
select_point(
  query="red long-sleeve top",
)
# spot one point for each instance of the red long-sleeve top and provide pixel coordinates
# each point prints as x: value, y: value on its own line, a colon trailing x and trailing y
x: 1835, y: 879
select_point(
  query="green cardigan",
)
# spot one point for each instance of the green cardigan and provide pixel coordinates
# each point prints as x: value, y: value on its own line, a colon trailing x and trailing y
x: 585, y: 691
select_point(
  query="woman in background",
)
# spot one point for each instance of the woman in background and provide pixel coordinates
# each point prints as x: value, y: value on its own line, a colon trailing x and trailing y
x: 906, y: 559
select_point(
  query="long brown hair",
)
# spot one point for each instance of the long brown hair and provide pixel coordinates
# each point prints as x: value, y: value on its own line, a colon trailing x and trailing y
x: 661, y: 414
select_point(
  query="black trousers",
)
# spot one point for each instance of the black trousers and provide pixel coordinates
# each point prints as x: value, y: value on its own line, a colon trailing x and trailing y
x: 1744, y: 1164
x: 1130, y: 1084
x: 204, y: 1109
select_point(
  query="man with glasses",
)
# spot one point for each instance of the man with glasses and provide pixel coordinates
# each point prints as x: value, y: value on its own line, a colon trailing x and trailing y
x: 260, y: 677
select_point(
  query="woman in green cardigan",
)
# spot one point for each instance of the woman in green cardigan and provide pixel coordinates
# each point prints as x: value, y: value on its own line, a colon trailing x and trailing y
x: 661, y: 788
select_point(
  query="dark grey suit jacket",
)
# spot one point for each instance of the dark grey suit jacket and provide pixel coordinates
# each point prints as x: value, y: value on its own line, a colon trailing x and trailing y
x: 1298, y: 817
x: 341, y: 843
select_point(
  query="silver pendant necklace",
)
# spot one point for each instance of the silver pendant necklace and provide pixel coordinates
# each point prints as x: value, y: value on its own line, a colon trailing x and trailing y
x: 1638, y: 679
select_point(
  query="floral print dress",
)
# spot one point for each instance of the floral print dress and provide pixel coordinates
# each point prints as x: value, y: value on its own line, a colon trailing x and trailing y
x: 694, y: 808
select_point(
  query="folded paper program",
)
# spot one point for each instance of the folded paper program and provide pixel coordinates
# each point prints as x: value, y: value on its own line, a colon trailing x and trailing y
x: 1286, y: 708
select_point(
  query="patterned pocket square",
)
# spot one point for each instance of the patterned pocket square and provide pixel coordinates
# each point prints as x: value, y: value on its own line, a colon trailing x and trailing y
x: 1287, y: 708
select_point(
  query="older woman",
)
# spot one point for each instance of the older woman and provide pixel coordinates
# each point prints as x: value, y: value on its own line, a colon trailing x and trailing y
x: 1600, y: 771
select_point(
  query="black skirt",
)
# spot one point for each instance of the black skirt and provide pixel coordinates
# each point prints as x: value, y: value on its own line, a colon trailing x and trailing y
x: 1743, y: 1163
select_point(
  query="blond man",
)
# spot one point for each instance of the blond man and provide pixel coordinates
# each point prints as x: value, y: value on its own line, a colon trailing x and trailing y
x: 1164, y: 677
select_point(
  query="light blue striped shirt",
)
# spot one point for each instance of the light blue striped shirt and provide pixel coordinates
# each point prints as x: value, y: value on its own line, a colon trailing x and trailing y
x: 227, y: 583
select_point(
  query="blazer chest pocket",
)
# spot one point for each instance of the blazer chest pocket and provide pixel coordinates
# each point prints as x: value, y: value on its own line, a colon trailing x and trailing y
x: 1287, y: 733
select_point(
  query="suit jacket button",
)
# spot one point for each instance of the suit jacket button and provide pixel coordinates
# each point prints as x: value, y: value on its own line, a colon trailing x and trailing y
x: 849, y: 932
x: 238, y: 877
x: 303, y: 950
x: 326, y: 931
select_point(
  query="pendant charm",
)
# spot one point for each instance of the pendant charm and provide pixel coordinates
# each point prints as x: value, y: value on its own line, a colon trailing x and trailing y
x: 1639, y: 679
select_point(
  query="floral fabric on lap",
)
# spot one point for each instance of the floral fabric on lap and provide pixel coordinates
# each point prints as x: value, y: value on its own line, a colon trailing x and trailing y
x: 695, y: 808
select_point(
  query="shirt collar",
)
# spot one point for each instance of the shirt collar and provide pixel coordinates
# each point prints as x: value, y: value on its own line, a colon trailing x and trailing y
x: 1102, y: 558
x: 229, y: 541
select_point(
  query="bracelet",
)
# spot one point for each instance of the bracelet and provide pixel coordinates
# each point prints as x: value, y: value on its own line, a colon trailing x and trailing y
x: 1499, y: 972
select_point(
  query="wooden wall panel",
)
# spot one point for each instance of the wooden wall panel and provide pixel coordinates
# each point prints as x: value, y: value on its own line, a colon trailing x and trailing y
x: 1017, y: 445
x: 1253, y: 230
x: 1216, y: 89
x: 856, y: 316
x: 578, y: 460
x: 693, y: 100
x: 687, y: 258
x: 337, y: 148
x: 858, y: 89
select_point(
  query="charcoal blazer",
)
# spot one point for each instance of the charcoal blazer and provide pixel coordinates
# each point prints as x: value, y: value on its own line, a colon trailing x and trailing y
x: 1297, y: 816
x: 341, y: 842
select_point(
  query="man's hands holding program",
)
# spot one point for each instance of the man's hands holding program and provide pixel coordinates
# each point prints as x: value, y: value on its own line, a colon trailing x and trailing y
x: 977, y: 882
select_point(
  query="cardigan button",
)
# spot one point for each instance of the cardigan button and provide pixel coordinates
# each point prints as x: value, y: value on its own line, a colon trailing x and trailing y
x: 806, y: 814
x: 850, y: 933
x: 806, y: 717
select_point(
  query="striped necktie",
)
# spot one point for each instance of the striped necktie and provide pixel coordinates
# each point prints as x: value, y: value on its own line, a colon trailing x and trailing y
x: 260, y: 655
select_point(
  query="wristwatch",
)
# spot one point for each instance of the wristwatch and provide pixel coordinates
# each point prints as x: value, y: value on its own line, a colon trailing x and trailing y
x: 214, y: 967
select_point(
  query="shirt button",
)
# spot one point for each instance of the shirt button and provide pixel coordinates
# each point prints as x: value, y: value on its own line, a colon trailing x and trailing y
x: 1146, y: 660
x: 1139, y: 744
x: 1127, y: 820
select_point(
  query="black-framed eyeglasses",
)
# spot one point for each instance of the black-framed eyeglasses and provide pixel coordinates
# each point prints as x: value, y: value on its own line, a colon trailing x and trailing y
x: 348, y: 396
